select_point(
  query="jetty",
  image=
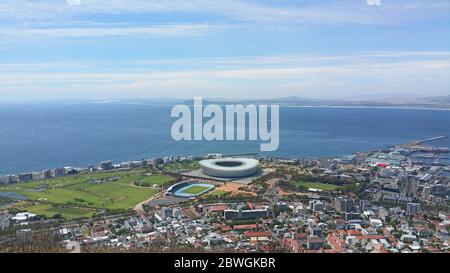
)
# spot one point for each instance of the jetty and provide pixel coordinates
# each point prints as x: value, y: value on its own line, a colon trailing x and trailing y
x: 429, y: 139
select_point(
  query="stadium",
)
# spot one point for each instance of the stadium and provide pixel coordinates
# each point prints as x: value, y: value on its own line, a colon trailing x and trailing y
x: 229, y: 167
x: 188, y: 189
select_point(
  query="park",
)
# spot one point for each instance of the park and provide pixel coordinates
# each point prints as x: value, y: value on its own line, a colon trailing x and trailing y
x: 85, y: 195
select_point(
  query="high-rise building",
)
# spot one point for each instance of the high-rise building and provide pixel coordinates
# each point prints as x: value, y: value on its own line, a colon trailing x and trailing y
x: 342, y: 204
x: 412, y: 208
x: 46, y: 174
x: 59, y: 172
x: 25, y: 177
x: 9, y: 179
x: 315, y: 205
x: 363, y: 204
x: 106, y: 165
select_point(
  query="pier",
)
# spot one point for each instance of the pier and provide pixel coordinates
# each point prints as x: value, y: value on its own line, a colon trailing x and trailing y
x: 420, y: 145
x: 429, y: 139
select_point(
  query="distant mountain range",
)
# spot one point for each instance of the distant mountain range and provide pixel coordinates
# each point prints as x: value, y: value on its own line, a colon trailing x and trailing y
x: 426, y: 102
x: 440, y: 102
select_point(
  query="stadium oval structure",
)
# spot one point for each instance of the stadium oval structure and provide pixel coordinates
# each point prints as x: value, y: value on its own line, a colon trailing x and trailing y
x: 229, y: 167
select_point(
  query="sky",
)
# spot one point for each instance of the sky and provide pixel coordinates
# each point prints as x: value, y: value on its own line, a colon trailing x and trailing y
x: 128, y: 49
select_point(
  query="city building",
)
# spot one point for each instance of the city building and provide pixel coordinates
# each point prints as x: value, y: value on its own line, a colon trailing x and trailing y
x: 9, y: 179
x: 316, y: 205
x: 412, y: 208
x: 59, y: 172
x: 342, y: 204
x: 166, y: 212
x: 314, y: 242
x: 46, y: 174
x: 230, y: 214
x: 25, y: 177
x: 106, y: 165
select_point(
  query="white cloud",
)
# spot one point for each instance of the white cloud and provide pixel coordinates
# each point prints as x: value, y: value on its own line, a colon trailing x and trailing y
x: 313, y: 75
x: 153, y: 31
x: 336, y: 12
x: 374, y: 2
x: 73, y: 2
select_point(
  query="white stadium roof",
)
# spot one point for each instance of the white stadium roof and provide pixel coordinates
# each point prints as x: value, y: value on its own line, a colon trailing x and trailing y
x: 229, y: 167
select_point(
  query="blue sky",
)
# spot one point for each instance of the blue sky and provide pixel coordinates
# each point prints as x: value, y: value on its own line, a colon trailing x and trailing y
x: 117, y: 49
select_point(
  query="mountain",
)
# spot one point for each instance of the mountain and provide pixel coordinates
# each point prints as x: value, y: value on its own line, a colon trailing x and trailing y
x: 292, y: 100
x: 426, y: 102
x: 441, y: 102
x: 437, y: 100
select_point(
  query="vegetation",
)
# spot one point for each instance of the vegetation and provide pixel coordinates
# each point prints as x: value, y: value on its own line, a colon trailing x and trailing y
x: 185, y: 165
x: 219, y: 193
x: 5, y: 200
x: 334, y: 180
x: 319, y: 186
x: 149, y: 181
x: 303, y: 186
x: 68, y: 213
x: 84, y: 194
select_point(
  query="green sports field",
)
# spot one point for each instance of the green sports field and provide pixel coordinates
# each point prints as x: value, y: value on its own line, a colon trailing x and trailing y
x: 68, y: 213
x: 158, y: 180
x: 219, y: 193
x: 318, y: 186
x: 196, y: 189
x: 84, y: 194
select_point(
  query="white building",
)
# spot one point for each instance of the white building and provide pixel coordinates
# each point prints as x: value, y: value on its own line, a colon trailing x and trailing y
x: 23, y: 216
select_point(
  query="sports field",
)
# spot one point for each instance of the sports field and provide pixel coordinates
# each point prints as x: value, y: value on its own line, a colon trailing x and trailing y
x: 194, y: 190
x: 158, y: 180
x: 67, y: 213
x: 219, y: 193
x: 318, y: 186
x: 84, y: 194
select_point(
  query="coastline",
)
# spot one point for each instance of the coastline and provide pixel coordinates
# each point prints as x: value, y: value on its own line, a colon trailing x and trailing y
x: 86, y: 167
x: 348, y: 105
x: 366, y: 107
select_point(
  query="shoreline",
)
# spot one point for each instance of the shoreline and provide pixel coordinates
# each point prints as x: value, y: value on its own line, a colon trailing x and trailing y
x: 366, y: 107
x: 258, y: 156
x: 282, y: 104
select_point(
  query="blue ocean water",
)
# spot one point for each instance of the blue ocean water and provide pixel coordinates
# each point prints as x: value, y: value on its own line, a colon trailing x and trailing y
x: 35, y: 136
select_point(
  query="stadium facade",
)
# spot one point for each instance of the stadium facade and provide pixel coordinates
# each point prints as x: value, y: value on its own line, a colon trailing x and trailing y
x: 229, y: 167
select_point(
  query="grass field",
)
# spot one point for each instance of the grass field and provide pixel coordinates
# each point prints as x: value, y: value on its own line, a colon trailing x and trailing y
x: 318, y: 186
x: 159, y: 180
x: 196, y: 189
x: 219, y: 193
x: 68, y: 213
x: 115, y: 190
x: 189, y: 165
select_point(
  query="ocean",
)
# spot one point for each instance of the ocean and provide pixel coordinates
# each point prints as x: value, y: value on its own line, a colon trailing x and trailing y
x: 36, y: 136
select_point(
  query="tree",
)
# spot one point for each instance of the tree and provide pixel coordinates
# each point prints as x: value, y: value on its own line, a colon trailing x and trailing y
x: 57, y: 216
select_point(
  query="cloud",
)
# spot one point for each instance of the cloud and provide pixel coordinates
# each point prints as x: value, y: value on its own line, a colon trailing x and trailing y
x: 73, y: 2
x: 326, y: 12
x: 374, y: 2
x: 342, y: 76
x: 153, y: 31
